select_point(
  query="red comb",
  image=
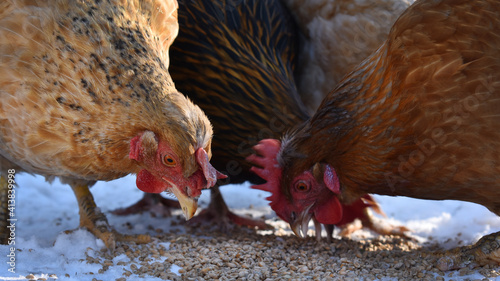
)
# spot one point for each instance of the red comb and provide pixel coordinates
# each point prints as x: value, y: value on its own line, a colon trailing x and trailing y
x: 265, y: 157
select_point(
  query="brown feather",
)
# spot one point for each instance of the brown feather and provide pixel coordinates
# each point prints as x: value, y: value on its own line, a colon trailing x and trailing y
x: 419, y: 117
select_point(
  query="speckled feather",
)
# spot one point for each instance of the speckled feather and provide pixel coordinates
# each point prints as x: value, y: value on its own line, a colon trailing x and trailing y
x: 419, y: 117
x: 79, y: 79
x: 242, y: 57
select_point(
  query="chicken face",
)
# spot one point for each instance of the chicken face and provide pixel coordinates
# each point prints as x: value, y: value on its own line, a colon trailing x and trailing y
x: 311, y: 194
x: 163, y: 171
x: 310, y: 198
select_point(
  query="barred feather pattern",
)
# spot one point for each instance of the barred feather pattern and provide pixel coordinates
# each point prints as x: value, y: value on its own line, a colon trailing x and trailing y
x: 236, y: 60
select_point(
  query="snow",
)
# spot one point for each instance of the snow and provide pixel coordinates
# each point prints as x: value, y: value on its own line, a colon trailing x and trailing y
x: 45, y: 211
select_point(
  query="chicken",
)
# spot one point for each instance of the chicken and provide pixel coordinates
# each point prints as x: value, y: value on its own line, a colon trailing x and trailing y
x: 338, y: 35
x: 86, y: 96
x: 417, y: 118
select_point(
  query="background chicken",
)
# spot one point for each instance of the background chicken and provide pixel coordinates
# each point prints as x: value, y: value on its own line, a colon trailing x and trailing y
x: 86, y: 96
x: 418, y: 118
x: 337, y: 36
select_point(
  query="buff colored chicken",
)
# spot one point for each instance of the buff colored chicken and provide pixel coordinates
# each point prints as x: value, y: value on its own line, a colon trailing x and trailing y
x: 85, y: 96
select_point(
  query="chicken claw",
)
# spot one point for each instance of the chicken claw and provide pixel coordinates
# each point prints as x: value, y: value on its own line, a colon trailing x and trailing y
x: 95, y: 221
x: 368, y: 220
x: 377, y: 225
x: 218, y: 213
x: 485, y: 251
x: 155, y: 203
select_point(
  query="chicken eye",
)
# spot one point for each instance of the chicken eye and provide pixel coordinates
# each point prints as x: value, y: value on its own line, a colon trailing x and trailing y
x: 302, y: 186
x: 169, y: 161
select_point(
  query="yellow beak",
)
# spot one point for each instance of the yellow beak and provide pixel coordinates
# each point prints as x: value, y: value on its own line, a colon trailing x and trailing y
x: 188, y: 204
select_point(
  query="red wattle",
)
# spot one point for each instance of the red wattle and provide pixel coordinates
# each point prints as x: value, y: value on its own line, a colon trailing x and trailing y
x: 330, y: 212
x: 148, y: 183
x: 354, y: 211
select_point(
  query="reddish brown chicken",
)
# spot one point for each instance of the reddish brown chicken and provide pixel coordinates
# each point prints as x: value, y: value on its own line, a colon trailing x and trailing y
x: 418, y: 118
x: 86, y: 95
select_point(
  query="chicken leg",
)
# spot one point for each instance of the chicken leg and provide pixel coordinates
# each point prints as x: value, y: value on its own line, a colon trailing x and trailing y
x: 218, y: 212
x: 95, y: 221
x: 485, y: 251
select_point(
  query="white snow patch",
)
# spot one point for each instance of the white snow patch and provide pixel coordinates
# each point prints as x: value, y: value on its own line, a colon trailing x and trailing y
x: 175, y: 269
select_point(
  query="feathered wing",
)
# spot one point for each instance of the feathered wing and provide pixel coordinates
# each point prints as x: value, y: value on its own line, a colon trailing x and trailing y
x: 454, y: 80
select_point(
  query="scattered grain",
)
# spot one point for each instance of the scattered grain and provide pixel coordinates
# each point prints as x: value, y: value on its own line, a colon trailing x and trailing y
x: 245, y: 255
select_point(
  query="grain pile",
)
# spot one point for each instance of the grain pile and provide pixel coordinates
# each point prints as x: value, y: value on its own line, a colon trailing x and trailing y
x: 243, y: 254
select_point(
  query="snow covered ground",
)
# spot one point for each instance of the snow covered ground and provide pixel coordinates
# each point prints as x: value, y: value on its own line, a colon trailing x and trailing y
x: 44, y: 211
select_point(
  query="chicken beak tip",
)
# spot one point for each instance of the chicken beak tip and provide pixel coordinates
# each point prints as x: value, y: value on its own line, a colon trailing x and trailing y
x: 189, y: 211
x: 189, y: 207
x: 300, y: 225
x: 188, y: 204
x: 297, y: 230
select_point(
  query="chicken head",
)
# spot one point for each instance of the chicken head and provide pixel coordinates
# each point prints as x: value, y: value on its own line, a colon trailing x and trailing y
x: 163, y: 170
x: 312, y: 194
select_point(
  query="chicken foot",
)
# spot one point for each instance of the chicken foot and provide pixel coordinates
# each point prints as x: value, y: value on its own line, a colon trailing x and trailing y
x: 95, y: 221
x: 369, y: 221
x: 219, y: 213
x: 485, y: 251
x: 377, y: 225
x: 155, y: 203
